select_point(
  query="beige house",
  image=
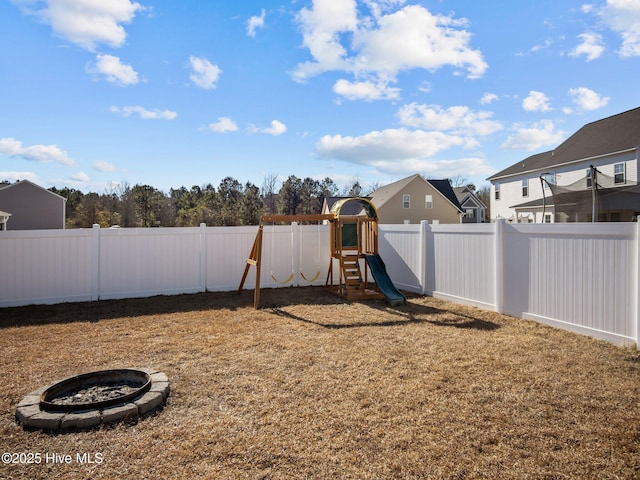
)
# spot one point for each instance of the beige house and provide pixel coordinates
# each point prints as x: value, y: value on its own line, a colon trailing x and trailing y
x: 31, y: 207
x: 414, y: 199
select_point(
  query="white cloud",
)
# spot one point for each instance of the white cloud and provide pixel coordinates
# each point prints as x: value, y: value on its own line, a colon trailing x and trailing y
x: 321, y: 28
x: 80, y: 177
x: 378, y: 7
x: 379, y: 48
x: 587, y: 99
x: 467, y: 167
x: 415, y: 38
x: 592, y: 46
x: 536, y: 102
x: 114, y: 70
x: 387, y: 145
x: 39, y: 153
x: 276, y: 128
x: 401, y: 151
x: 17, y: 176
x: 255, y: 23
x: 223, y: 125
x: 85, y: 23
x: 365, y: 90
x: 623, y: 17
x: 488, y: 98
x: 537, y: 48
x: 457, y: 119
x: 425, y: 87
x: 102, y: 166
x: 144, y: 113
x: 204, y: 74
x: 533, y: 137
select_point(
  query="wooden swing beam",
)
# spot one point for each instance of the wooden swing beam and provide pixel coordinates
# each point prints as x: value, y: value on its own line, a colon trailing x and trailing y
x: 255, y: 257
x: 318, y: 217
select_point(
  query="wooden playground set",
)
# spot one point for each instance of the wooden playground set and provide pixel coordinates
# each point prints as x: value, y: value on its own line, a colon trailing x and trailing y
x: 352, y: 238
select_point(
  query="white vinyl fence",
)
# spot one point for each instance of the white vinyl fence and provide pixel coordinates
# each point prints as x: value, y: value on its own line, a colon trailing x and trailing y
x: 581, y: 277
x: 54, y: 266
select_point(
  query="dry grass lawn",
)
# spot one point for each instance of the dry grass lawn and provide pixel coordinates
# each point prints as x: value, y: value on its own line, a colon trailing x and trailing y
x: 314, y: 387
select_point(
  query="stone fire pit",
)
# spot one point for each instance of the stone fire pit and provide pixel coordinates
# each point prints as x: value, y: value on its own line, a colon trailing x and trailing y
x: 88, y: 400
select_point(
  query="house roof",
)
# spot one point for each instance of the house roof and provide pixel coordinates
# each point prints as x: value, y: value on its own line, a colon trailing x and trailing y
x: 538, y: 203
x: 27, y: 182
x: 386, y: 193
x: 464, y: 193
x: 614, y: 134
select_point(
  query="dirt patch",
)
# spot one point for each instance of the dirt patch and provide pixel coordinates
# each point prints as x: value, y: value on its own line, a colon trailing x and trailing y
x: 311, y: 386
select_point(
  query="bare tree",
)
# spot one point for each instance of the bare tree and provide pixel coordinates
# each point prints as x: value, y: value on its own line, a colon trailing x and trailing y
x: 268, y: 192
x: 458, y: 181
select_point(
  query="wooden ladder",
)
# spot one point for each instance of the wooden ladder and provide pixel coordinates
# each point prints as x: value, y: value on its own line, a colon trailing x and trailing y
x: 351, y: 274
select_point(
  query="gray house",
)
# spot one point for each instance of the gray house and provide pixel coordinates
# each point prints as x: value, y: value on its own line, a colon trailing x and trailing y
x: 27, y: 206
x: 474, y: 209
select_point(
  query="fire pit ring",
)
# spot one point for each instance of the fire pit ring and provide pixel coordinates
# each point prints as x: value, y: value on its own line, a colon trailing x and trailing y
x: 70, y: 395
x: 88, y: 400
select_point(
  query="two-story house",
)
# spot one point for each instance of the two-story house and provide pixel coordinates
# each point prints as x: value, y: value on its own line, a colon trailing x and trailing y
x: 559, y: 185
x: 414, y: 199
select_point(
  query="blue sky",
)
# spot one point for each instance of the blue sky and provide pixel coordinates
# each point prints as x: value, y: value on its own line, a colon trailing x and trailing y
x: 171, y: 94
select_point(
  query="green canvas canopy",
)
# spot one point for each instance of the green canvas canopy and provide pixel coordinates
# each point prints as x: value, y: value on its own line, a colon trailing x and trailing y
x: 367, y: 207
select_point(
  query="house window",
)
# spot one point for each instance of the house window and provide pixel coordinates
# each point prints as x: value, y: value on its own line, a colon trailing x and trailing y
x: 549, y: 179
x: 406, y: 201
x: 525, y: 187
x: 470, y: 213
x: 428, y: 201
x: 589, y: 179
x: 547, y: 218
x: 497, y: 194
x: 619, y: 173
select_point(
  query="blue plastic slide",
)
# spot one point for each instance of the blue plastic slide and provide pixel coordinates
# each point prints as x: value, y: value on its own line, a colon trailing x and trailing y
x: 385, y: 285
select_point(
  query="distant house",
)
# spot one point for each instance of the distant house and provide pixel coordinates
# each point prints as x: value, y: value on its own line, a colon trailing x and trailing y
x: 474, y: 209
x: 414, y: 199
x: 599, y: 162
x: 31, y: 207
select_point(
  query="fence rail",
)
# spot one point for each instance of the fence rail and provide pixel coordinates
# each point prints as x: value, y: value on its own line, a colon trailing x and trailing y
x: 581, y: 277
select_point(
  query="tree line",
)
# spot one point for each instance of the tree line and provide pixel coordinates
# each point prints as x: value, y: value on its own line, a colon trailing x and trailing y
x: 231, y: 203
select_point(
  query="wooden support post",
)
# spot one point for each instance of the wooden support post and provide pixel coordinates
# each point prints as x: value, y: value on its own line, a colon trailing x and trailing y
x: 254, y: 259
x: 256, y: 291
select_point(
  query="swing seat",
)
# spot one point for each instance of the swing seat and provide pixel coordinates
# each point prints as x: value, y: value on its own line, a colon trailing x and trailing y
x: 288, y: 280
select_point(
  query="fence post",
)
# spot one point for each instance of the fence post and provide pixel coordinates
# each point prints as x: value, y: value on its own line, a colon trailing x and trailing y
x: 295, y: 252
x: 637, y: 285
x: 95, y: 263
x: 499, y: 264
x: 424, y: 225
x: 203, y: 257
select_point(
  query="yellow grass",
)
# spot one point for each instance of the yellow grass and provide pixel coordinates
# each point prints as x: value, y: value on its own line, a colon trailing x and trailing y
x: 314, y: 387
